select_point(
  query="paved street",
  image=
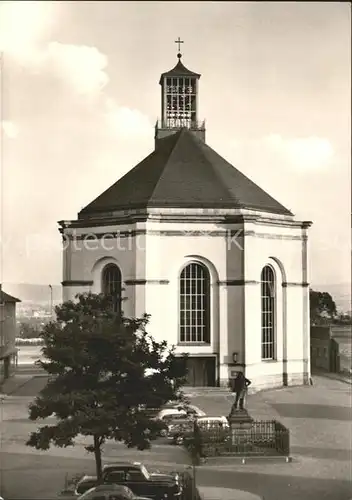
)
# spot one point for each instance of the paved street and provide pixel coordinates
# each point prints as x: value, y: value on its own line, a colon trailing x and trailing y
x: 319, y: 418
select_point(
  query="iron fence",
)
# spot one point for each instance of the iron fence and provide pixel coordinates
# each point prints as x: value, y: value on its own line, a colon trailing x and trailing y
x: 257, y: 438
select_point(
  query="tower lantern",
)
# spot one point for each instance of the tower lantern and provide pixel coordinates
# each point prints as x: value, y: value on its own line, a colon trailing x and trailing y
x: 179, y: 101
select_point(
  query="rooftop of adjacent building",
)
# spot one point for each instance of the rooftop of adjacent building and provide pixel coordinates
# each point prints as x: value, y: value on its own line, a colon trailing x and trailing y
x: 5, y: 297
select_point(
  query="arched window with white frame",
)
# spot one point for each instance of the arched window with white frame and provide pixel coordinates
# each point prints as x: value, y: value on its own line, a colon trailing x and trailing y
x: 194, y: 304
x: 268, y: 313
x: 112, y: 285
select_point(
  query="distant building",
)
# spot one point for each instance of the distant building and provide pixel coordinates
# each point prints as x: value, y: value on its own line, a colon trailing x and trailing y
x: 331, y: 348
x: 8, y: 350
x: 221, y: 266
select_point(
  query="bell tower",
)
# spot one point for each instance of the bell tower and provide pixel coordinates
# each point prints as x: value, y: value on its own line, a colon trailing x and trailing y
x: 179, y: 101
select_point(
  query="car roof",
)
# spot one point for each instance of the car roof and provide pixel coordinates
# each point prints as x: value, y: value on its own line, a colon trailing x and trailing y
x: 170, y: 411
x: 212, y: 419
x: 121, y: 462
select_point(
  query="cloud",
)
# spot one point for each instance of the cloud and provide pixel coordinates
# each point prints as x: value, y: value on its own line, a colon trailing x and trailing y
x: 74, y: 137
x: 81, y: 66
x: 306, y: 153
x: 10, y: 129
x: 24, y: 24
x: 25, y: 32
x: 126, y: 122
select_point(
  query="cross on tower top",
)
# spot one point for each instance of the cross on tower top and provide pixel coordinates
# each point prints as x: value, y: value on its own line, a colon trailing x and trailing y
x: 179, y: 41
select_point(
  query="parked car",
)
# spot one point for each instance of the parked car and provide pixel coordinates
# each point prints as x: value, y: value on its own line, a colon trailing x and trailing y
x: 187, y: 411
x: 173, y: 419
x: 169, y: 415
x: 170, y: 405
x: 210, y: 423
x: 178, y: 432
x: 135, y: 476
x: 110, y: 492
x: 178, y: 429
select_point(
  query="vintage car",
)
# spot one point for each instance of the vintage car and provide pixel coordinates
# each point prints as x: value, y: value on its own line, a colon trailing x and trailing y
x: 135, y: 476
x: 171, y: 419
x: 169, y: 415
x: 110, y: 492
x: 210, y: 423
x: 179, y: 431
x: 185, y: 411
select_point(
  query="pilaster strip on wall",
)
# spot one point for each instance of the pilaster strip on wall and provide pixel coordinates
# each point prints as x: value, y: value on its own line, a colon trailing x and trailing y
x: 238, y: 282
x: 302, y: 284
x: 77, y: 283
x: 147, y: 282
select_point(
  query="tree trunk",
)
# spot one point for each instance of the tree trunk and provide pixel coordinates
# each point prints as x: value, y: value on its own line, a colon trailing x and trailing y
x: 97, y: 455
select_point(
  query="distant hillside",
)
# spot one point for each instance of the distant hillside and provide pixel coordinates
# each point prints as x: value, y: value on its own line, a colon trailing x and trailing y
x: 36, y: 294
x: 40, y: 294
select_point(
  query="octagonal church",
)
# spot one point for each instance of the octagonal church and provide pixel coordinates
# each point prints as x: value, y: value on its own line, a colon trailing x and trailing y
x: 220, y: 265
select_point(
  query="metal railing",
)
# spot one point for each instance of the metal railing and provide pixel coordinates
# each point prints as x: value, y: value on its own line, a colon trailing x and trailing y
x: 259, y: 438
x: 178, y: 123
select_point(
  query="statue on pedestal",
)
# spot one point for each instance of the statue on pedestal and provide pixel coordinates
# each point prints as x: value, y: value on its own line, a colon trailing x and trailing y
x: 239, y: 386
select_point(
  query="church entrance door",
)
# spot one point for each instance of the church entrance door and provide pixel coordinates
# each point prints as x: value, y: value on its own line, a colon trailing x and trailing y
x: 201, y: 371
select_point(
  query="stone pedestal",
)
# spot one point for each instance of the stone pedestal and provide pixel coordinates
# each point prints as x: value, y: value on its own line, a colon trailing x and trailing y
x: 239, y: 417
x: 241, y: 425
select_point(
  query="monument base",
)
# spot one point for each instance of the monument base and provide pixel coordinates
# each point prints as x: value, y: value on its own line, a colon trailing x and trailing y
x: 239, y: 417
x: 240, y: 428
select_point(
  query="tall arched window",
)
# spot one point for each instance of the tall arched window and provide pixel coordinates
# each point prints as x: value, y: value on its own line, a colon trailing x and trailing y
x: 195, y: 304
x: 112, y: 285
x: 268, y: 313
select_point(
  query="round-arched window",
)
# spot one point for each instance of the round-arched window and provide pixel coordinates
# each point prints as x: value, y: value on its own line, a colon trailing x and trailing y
x: 112, y: 285
x: 268, y: 310
x: 194, y: 312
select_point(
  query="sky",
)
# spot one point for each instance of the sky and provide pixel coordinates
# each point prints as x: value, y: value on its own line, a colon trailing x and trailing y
x: 80, y: 98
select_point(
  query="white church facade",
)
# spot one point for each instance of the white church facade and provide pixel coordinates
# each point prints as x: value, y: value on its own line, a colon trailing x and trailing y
x: 221, y: 267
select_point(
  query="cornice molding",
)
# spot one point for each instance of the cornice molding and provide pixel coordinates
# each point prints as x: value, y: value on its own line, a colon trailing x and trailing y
x: 270, y: 236
x: 111, y: 219
x: 302, y: 284
x: 238, y: 282
x: 77, y: 283
x: 132, y: 233
x: 285, y: 284
x: 146, y: 282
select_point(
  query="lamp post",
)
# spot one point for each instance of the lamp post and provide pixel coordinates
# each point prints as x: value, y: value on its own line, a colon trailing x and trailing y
x: 51, y: 302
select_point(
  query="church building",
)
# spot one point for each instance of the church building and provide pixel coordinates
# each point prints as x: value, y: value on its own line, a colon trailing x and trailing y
x: 220, y: 265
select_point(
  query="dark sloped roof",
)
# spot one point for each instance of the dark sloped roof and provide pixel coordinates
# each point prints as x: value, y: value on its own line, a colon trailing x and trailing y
x: 183, y: 172
x: 179, y: 70
x: 5, y: 297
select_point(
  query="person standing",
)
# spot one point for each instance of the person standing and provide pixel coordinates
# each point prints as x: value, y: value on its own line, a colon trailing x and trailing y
x: 239, y: 387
